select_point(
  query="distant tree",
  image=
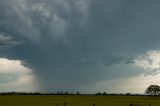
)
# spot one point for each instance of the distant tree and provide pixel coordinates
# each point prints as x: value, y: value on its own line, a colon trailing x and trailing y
x: 77, y: 93
x: 99, y: 93
x: 66, y: 93
x: 128, y: 94
x: 104, y: 93
x: 153, y: 90
x: 61, y: 93
x: 58, y: 93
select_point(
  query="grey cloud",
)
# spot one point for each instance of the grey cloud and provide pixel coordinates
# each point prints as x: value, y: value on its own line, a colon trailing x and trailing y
x: 110, y: 60
x: 153, y: 72
x: 54, y: 32
x: 115, y: 60
x: 129, y: 60
x: 84, y: 61
x: 7, y: 41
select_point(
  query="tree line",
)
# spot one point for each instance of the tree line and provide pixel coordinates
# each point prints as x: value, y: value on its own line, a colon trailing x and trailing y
x: 67, y: 93
x: 152, y: 90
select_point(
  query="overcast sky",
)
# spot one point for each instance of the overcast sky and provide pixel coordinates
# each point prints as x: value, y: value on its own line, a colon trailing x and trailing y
x: 79, y: 45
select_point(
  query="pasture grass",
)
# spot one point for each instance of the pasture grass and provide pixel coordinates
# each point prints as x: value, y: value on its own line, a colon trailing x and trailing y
x: 75, y: 100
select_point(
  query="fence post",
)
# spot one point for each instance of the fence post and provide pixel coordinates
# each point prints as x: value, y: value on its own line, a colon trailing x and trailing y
x: 94, y: 104
x: 149, y: 104
x: 130, y: 104
x: 65, y: 103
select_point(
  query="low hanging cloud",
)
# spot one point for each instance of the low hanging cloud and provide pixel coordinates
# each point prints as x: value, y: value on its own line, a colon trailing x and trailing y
x: 7, y: 41
x: 16, y: 77
x: 117, y: 59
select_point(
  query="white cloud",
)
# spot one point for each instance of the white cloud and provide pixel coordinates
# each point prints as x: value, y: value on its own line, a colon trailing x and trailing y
x: 16, y: 77
x: 149, y: 61
x: 136, y: 84
x: 12, y: 66
x: 147, y: 67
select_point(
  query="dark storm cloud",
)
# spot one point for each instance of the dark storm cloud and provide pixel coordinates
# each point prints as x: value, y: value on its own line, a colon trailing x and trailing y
x: 55, y: 32
x: 129, y: 60
x: 84, y: 61
x: 7, y: 41
x: 115, y: 60
x: 81, y: 63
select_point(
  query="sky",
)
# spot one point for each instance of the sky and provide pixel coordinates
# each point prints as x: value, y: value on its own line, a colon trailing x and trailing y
x: 88, y: 46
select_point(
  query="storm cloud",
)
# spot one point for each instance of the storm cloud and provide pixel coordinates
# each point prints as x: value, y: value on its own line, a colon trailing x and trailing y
x: 114, y: 60
x: 16, y: 77
x: 7, y: 41
x: 73, y: 43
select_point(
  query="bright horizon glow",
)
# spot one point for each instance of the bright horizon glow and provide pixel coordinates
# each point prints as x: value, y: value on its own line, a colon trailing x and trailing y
x: 16, y: 77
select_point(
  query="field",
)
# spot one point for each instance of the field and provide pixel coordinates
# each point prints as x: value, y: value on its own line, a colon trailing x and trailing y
x: 48, y: 100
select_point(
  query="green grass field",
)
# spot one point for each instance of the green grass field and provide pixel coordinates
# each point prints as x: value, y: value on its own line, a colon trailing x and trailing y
x: 48, y: 100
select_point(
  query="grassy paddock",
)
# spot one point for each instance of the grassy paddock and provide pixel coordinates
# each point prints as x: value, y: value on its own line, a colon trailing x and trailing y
x: 49, y: 100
